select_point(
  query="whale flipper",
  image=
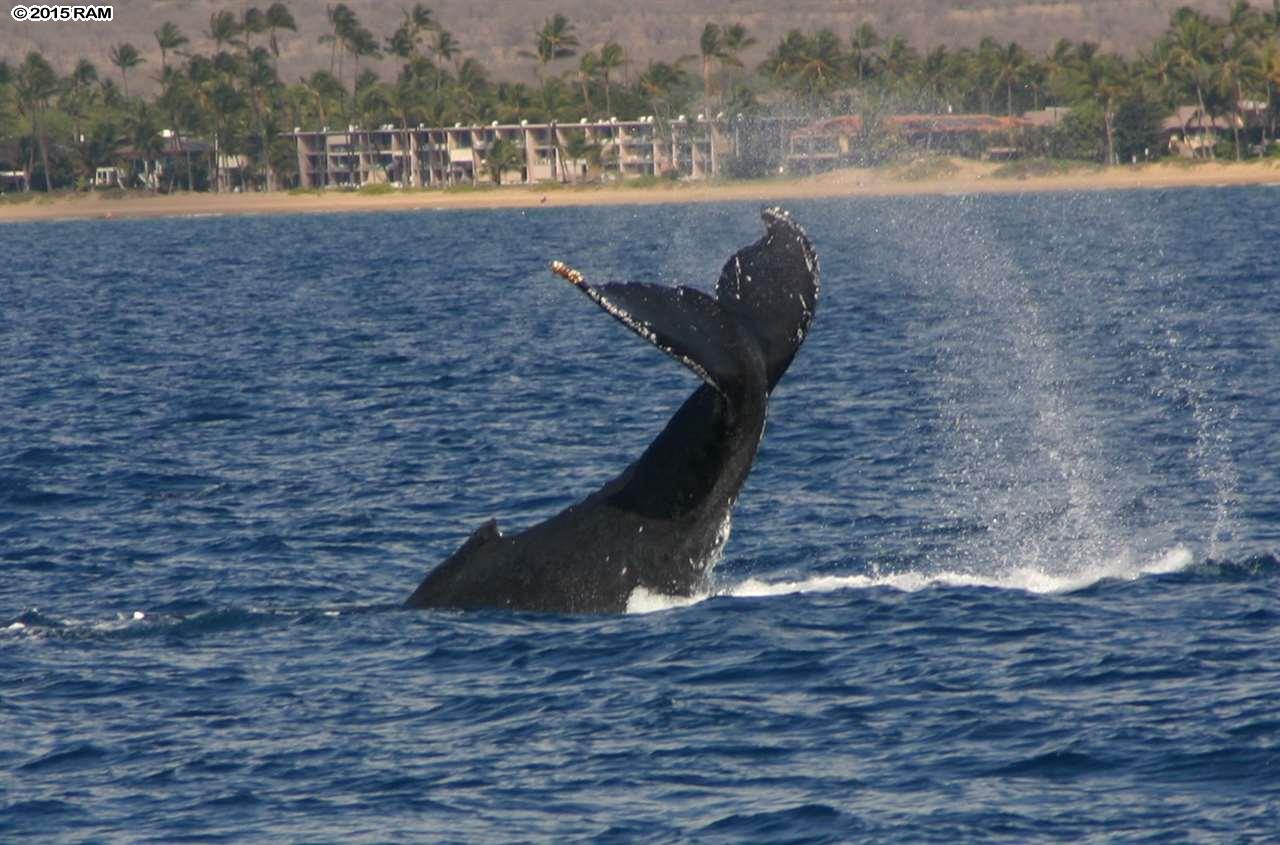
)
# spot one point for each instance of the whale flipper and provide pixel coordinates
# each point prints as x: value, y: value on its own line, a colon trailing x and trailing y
x: 660, y: 523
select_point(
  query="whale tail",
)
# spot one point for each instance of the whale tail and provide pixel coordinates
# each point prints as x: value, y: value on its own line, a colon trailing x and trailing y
x: 764, y: 303
x: 772, y: 288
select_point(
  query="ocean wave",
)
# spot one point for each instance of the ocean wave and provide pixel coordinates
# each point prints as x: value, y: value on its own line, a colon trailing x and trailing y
x: 34, y: 623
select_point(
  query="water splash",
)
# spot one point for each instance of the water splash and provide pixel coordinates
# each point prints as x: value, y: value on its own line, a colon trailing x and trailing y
x: 1024, y: 457
x: 1028, y: 579
x: 1182, y: 385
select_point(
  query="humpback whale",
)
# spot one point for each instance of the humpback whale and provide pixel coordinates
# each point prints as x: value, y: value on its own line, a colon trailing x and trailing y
x: 659, y: 524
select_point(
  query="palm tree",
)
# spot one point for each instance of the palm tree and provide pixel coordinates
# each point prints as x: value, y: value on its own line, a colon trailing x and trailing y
x: 1194, y: 45
x: 35, y: 83
x: 862, y: 57
x: 900, y: 61
x: 406, y: 38
x: 472, y: 83
x: 102, y: 146
x: 809, y: 66
x: 736, y: 39
x: 445, y: 48
x: 252, y: 22
x: 404, y: 100
x: 326, y: 92
x: 1035, y: 77
x: 662, y: 84
x: 578, y: 148
x: 1104, y: 79
x: 342, y: 21
x: 361, y: 44
x: 1160, y: 72
x: 553, y: 42
x: 1244, y: 22
x: 278, y: 17
x: 503, y: 155
x: 710, y: 48
x: 143, y: 133
x: 823, y: 64
x: 612, y: 56
x: 552, y: 100
x: 223, y: 29
x: 1239, y: 68
x: 169, y: 37
x: 1010, y: 62
x: 588, y: 70
x: 212, y: 88
x: 79, y: 94
x: 259, y: 80
x: 933, y: 76
x: 1269, y: 63
x: 126, y: 57
x: 179, y: 102
x: 1058, y: 64
x: 786, y: 57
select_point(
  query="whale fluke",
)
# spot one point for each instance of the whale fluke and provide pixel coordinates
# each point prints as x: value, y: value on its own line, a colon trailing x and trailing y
x: 660, y: 523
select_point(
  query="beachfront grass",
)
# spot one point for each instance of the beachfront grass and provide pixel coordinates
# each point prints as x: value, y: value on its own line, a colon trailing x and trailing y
x: 1031, y: 168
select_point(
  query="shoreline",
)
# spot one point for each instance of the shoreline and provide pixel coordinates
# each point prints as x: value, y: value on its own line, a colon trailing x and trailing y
x: 957, y: 176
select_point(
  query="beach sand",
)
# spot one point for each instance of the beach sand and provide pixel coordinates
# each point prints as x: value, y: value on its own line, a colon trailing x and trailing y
x: 934, y: 176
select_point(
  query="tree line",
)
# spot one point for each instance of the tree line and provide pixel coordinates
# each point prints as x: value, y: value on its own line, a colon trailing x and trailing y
x: 220, y: 92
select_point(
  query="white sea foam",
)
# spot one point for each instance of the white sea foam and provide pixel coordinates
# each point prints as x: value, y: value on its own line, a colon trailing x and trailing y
x: 645, y: 601
x: 1023, y: 579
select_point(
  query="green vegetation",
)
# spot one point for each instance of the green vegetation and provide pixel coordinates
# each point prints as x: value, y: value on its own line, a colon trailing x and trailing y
x: 1030, y: 167
x: 376, y: 189
x: 218, y: 109
x: 645, y: 182
x: 922, y: 169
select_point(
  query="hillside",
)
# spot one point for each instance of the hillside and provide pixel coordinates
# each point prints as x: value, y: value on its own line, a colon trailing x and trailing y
x: 656, y: 29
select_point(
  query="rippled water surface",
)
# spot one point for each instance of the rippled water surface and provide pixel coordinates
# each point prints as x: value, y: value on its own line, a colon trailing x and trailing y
x: 1005, y: 569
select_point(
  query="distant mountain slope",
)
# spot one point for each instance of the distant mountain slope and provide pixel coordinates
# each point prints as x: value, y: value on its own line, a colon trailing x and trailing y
x: 495, y: 33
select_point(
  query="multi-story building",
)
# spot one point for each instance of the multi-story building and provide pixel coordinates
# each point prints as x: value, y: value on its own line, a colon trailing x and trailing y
x: 422, y: 156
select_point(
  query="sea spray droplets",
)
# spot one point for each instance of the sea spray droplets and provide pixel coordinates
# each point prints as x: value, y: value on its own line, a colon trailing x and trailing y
x: 1023, y: 461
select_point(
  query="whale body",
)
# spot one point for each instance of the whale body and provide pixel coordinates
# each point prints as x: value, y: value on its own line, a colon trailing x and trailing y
x: 660, y: 524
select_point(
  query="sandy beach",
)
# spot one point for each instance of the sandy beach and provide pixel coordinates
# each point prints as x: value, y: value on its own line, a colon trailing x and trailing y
x: 935, y: 176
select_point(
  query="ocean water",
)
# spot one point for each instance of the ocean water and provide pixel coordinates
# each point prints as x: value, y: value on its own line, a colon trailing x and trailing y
x: 1005, y: 570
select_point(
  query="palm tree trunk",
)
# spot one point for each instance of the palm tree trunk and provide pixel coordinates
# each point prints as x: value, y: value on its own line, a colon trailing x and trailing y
x: 1266, y: 123
x: 1235, y: 128
x: 1200, y: 98
x: 217, y: 155
x: 44, y: 157
x: 1108, y: 119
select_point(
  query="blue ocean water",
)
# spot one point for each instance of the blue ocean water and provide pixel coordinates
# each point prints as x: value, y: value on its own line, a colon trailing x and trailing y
x: 1005, y: 570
